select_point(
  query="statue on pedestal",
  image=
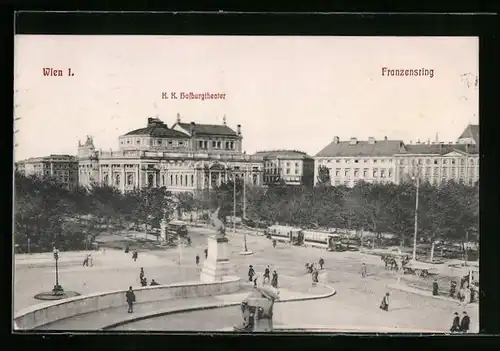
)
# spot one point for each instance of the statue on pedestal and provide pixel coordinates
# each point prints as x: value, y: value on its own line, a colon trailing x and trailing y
x: 216, y: 265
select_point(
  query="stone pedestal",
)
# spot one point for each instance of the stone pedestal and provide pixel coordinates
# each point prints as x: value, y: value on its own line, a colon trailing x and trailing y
x: 216, y: 266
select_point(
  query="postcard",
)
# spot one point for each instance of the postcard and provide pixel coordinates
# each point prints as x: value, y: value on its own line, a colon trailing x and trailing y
x: 246, y: 184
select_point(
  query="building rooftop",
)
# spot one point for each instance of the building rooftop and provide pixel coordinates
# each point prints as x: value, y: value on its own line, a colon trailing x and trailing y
x: 208, y: 129
x: 438, y: 149
x: 283, y: 153
x: 49, y: 158
x: 356, y: 147
x: 471, y: 131
x: 157, y: 128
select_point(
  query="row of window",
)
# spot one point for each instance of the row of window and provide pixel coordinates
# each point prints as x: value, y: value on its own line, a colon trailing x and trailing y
x: 273, y: 165
x: 429, y: 161
x: 365, y: 160
x: 216, y: 144
x: 374, y: 173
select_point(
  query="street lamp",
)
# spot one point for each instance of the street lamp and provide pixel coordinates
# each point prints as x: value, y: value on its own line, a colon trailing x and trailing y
x: 417, y: 179
x: 58, y: 290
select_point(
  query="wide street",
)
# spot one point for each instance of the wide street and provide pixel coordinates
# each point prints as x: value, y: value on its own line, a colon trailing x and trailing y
x: 355, y: 304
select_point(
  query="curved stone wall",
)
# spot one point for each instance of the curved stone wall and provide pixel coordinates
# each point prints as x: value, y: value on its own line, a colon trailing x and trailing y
x: 39, y: 315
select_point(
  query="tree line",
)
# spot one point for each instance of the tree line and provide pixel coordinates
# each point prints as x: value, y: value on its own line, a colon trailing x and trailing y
x: 46, y: 214
x: 448, y: 212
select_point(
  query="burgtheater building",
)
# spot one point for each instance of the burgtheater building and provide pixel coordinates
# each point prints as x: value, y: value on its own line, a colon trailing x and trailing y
x: 185, y: 157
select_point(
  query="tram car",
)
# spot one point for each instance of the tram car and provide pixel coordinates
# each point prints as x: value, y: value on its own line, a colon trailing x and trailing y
x: 286, y: 234
x: 322, y: 240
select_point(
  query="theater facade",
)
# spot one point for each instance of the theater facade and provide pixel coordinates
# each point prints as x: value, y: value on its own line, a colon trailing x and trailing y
x: 185, y: 157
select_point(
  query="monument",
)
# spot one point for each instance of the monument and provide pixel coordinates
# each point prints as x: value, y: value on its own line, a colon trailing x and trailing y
x: 216, y: 266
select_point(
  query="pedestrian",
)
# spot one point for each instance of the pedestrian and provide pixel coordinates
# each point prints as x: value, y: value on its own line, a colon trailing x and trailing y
x: 455, y: 326
x: 255, y: 281
x: 466, y: 295
x: 130, y: 296
x: 314, y: 275
x: 465, y: 323
x: 363, y: 270
x: 453, y: 288
x: 274, y: 243
x: 473, y: 293
x: 435, y: 288
x: 251, y: 273
x: 267, y: 273
x: 274, y: 280
x: 127, y: 249
x: 206, y: 253
x: 384, y: 305
x: 135, y: 256
x: 197, y: 259
x: 144, y: 282
x: 321, y: 263
x: 153, y: 283
x: 188, y: 241
x: 86, y: 261
x: 141, y: 274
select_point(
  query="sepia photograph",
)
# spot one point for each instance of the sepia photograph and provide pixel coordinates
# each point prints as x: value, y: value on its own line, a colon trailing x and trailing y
x: 246, y: 184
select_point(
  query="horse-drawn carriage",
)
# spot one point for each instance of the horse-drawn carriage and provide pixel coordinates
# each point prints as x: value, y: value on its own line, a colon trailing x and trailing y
x: 421, y: 269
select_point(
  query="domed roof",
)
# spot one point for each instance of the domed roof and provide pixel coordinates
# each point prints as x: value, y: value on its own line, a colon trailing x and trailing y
x: 156, y: 128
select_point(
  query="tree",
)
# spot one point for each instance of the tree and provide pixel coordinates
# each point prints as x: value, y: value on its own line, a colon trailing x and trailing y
x: 324, y: 176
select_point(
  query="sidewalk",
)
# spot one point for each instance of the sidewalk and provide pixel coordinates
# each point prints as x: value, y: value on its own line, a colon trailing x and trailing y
x: 422, y: 292
x: 113, y: 317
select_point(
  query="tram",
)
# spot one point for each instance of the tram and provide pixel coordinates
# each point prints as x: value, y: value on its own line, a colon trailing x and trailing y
x: 286, y: 234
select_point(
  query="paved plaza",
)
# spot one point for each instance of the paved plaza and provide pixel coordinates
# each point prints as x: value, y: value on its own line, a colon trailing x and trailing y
x: 354, y: 305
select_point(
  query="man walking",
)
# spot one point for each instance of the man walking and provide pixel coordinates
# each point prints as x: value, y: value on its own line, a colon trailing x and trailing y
x: 267, y: 273
x: 384, y: 305
x: 465, y: 323
x: 455, y: 326
x: 321, y: 263
x: 206, y: 253
x: 435, y: 288
x: 251, y: 273
x: 274, y: 280
x: 130, y: 296
x: 197, y: 259
x: 363, y: 270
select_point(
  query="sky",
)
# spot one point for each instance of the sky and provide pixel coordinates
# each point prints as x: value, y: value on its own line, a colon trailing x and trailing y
x: 286, y: 92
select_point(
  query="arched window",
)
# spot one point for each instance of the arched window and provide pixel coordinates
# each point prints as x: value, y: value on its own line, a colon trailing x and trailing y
x: 130, y: 179
x: 150, y: 180
x: 171, y: 180
x: 192, y: 180
x: 163, y: 180
x: 106, y: 179
x: 176, y: 179
x: 186, y: 180
x: 117, y: 179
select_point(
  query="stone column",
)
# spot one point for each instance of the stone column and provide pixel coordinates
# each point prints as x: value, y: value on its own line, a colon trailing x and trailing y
x: 123, y: 178
x: 209, y: 179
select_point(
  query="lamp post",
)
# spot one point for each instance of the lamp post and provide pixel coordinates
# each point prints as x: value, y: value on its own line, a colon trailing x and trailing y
x: 58, y: 290
x: 234, y: 202
x: 417, y: 179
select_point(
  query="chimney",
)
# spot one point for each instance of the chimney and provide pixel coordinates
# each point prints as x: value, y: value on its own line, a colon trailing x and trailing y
x: 385, y: 138
x: 191, y: 129
x: 335, y: 139
x: 371, y: 140
x: 238, y: 129
x: 353, y: 141
x: 150, y: 120
x: 178, y: 117
x: 224, y: 120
